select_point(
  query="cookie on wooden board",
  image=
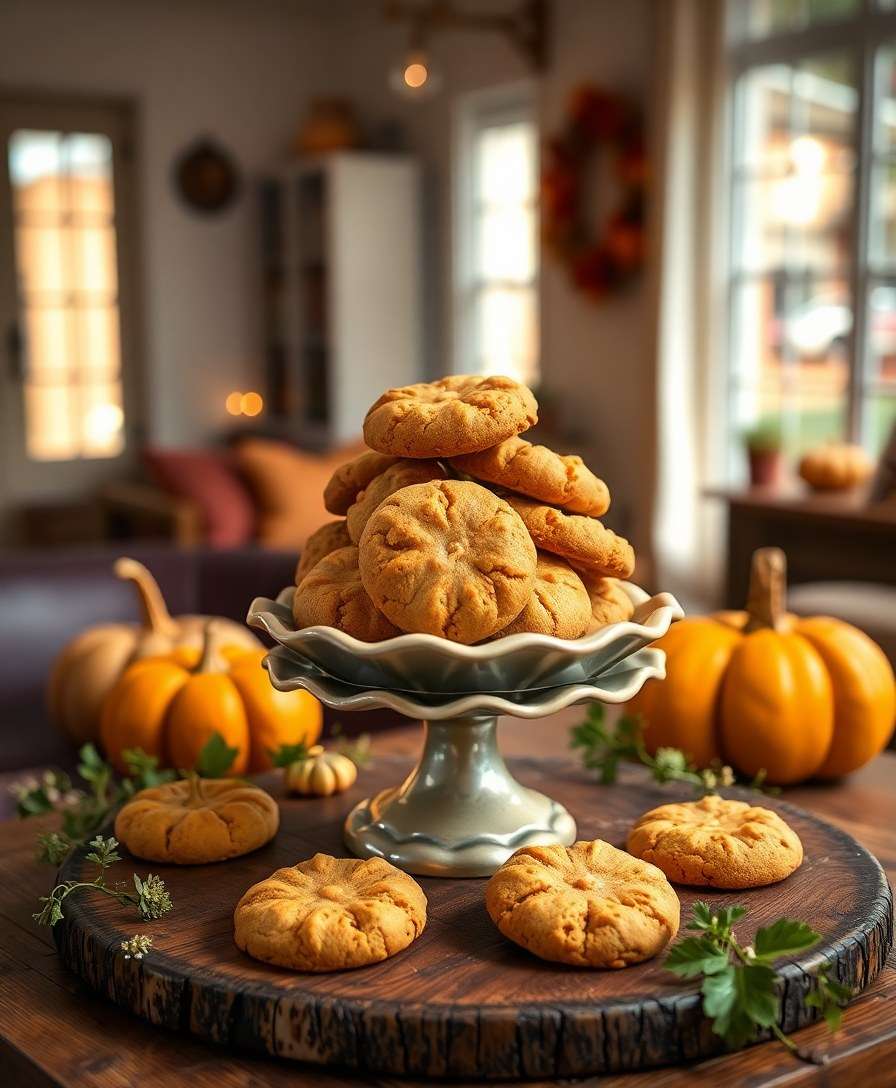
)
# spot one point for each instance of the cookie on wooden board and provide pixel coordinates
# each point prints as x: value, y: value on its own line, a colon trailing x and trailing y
x: 559, y: 605
x: 459, y: 414
x: 330, y: 914
x: 332, y: 595
x: 402, y: 473
x: 539, y: 473
x: 352, y: 477
x: 328, y: 538
x: 589, y: 904
x: 583, y: 542
x: 717, y: 843
x: 447, y: 558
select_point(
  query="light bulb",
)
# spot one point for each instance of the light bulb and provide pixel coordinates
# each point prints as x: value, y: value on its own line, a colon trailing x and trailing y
x: 251, y: 404
x: 233, y: 403
x: 415, y: 76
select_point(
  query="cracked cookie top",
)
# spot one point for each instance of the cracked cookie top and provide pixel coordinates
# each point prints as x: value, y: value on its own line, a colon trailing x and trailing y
x: 609, y: 601
x: 345, y: 483
x: 559, y: 604
x: 331, y: 595
x: 330, y: 914
x: 195, y: 821
x: 717, y: 843
x: 539, y: 473
x: 401, y: 473
x: 447, y: 558
x: 459, y: 414
x: 582, y: 541
x: 589, y: 904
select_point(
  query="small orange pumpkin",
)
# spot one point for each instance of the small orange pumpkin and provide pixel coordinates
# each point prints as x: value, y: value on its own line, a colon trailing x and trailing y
x: 767, y: 690
x: 88, y: 666
x: 836, y: 466
x: 171, y: 705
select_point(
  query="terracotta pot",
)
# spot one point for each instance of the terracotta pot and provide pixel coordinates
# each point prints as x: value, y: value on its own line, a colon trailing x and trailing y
x: 765, y: 467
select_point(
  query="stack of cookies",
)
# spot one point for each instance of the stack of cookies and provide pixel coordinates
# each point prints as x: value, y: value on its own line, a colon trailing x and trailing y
x: 453, y: 525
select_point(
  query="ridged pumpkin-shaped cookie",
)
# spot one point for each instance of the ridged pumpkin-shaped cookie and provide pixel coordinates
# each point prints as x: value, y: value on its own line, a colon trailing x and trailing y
x: 195, y: 821
x: 329, y: 914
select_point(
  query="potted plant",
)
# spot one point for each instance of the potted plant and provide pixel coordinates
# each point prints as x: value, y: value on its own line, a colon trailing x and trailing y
x: 764, y: 444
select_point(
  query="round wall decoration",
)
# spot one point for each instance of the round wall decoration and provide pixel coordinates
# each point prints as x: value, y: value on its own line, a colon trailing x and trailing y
x: 206, y: 177
x: 603, y: 260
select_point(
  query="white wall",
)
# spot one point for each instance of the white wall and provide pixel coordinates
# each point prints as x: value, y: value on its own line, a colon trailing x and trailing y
x: 236, y: 70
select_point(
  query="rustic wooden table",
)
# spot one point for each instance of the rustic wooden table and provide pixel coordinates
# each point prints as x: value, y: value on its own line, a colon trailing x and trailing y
x: 54, y: 1031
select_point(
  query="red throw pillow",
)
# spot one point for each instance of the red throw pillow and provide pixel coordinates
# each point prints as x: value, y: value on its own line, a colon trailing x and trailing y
x: 210, y: 480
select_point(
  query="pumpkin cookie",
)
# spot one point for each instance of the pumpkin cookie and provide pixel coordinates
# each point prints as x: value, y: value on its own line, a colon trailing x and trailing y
x: 331, y: 595
x: 195, y: 821
x: 449, y: 558
x: 402, y: 473
x: 609, y: 601
x: 455, y: 415
x: 717, y: 843
x: 584, y: 542
x: 559, y: 604
x: 589, y: 905
x: 326, y: 539
x: 352, y: 477
x: 329, y: 914
x: 540, y: 474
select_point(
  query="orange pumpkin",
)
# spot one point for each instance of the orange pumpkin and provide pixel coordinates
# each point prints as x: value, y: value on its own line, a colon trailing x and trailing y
x: 89, y: 665
x: 767, y: 690
x: 836, y: 466
x: 171, y: 705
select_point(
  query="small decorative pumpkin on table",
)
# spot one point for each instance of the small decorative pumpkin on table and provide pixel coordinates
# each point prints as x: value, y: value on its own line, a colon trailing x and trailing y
x: 321, y: 773
x: 89, y: 665
x: 836, y: 466
x: 170, y: 706
x: 766, y: 690
x: 195, y: 821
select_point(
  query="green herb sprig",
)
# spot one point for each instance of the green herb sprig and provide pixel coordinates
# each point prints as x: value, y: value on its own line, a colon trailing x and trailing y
x: 739, y: 982
x: 150, y: 896
x: 604, y: 747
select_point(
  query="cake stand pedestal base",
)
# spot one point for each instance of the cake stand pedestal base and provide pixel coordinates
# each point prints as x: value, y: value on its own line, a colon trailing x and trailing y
x: 460, y: 812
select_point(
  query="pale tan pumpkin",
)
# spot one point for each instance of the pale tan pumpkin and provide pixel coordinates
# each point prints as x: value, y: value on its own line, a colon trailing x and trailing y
x: 89, y: 665
x: 195, y: 821
x: 836, y: 466
x: 321, y: 773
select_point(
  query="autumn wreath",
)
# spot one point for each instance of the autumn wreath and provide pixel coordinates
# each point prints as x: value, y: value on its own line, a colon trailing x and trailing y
x: 603, y: 263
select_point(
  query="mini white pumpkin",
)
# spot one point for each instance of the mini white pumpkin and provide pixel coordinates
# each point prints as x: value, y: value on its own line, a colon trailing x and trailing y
x: 321, y: 773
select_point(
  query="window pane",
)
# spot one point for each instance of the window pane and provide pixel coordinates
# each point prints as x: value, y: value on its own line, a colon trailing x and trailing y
x: 89, y: 162
x: 94, y: 265
x: 882, y: 237
x: 99, y: 341
x: 879, y: 421
x: 40, y: 257
x: 506, y: 244
x: 885, y: 101
x: 508, y: 336
x: 505, y: 167
x: 34, y: 169
x: 50, y: 412
x: 790, y: 355
x: 767, y: 17
x: 47, y: 342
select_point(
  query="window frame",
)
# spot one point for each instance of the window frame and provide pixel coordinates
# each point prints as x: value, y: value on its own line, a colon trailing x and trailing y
x: 860, y: 36
x: 508, y: 103
x: 118, y: 119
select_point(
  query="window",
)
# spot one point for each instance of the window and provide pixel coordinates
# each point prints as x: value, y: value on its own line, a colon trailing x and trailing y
x: 66, y: 275
x: 496, y: 253
x: 812, y: 282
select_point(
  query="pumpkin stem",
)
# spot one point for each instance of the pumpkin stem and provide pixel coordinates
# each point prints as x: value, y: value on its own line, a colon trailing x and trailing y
x: 766, y: 600
x: 196, y: 796
x: 156, y: 616
x: 210, y: 659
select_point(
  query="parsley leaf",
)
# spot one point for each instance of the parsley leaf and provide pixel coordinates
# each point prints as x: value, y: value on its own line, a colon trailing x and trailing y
x: 785, y: 937
x: 216, y: 757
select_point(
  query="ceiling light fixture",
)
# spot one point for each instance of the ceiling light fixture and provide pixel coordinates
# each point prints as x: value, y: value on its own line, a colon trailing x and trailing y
x: 416, y: 76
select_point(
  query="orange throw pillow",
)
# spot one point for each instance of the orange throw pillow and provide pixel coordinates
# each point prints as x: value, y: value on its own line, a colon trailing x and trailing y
x: 288, y: 486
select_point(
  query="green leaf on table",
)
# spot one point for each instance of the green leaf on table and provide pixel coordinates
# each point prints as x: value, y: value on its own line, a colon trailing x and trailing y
x: 785, y: 937
x: 701, y: 916
x: 740, y: 998
x: 696, y: 956
x: 92, y: 767
x: 216, y: 757
x: 287, y: 754
x: 143, y: 769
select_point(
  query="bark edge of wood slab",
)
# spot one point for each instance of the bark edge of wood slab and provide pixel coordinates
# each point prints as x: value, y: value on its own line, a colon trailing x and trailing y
x: 462, y: 1001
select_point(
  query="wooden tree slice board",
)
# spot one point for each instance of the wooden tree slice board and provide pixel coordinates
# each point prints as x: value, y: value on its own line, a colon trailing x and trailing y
x: 461, y: 1001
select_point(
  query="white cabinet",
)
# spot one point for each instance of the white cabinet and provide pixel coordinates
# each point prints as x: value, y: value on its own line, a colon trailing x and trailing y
x: 342, y: 275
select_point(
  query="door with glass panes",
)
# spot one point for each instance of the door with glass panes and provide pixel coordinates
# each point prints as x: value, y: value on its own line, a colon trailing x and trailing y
x: 69, y: 404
